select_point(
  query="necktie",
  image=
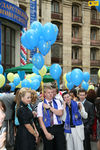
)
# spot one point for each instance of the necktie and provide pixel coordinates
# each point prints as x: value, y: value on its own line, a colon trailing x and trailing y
x: 51, y: 115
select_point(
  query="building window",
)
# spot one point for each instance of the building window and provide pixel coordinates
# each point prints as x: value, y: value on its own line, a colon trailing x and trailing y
x: 93, y: 54
x: 8, y: 47
x: 93, y: 14
x: 56, y: 54
x: 75, y: 32
x: 75, y: 10
x: 93, y: 34
x: 75, y: 53
x: 55, y: 6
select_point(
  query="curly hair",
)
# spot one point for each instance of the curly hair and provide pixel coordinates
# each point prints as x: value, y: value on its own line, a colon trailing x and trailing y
x: 91, y: 95
x: 33, y: 96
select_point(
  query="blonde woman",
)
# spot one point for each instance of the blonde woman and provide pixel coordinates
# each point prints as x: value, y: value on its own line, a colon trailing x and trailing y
x: 27, y: 134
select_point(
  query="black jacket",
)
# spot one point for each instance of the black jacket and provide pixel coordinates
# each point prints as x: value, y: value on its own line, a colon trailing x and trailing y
x: 89, y: 108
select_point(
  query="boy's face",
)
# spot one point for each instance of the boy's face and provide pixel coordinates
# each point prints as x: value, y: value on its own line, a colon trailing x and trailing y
x: 82, y: 96
x: 49, y: 94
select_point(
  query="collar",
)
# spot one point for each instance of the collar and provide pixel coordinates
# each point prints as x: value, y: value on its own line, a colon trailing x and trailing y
x: 83, y: 101
x: 23, y: 104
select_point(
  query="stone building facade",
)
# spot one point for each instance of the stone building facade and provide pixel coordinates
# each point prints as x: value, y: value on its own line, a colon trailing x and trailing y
x: 78, y: 41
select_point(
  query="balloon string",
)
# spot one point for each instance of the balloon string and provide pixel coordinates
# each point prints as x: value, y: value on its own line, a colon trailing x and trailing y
x: 42, y: 90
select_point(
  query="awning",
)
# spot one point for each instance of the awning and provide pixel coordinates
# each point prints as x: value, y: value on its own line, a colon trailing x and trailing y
x: 28, y: 69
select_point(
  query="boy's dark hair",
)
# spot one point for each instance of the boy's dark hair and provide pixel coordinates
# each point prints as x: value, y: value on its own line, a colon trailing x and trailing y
x: 74, y: 91
x: 82, y: 90
x: 64, y: 93
x: 7, y: 88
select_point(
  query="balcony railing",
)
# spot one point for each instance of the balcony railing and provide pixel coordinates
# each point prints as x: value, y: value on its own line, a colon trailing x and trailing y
x: 95, y: 63
x: 77, y: 62
x: 59, y: 39
x: 95, y: 21
x: 77, y: 41
x: 56, y: 15
x: 77, y: 19
x: 95, y: 43
x: 56, y: 60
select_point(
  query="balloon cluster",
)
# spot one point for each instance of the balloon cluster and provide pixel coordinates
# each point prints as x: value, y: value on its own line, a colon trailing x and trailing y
x: 31, y: 81
x: 39, y: 37
x: 2, y: 77
x: 75, y: 78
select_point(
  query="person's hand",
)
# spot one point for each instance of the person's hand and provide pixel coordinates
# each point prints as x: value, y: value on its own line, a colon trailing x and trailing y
x: 49, y: 136
x: 37, y: 137
x: 46, y: 106
x: 80, y: 105
x: 2, y: 139
x: 34, y: 113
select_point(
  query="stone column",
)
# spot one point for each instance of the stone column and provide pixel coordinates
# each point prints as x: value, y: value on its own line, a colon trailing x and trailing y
x: 67, y: 34
x: 86, y: 37
x: 46, y: 17
x: 17, y: 47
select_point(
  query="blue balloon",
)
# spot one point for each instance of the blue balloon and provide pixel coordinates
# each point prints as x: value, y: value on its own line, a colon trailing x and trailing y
x: 55, y: 29
x: 76, y: 76
x: 44, y: 47
x: 35, y: 70
x: 53, y: 41
x: 32, y: 38
x: 36, y: 77
x: 86, y: 76
x: 68, y: 77
x: 35, y: 84
x: 85, y: 85
x: 98, y: 7
x: 38, y: 60
x: 70, y: 85
x: 12, y: 86
x: 37, y: 26
x: 1, y: 69
x: 48, y: 32
x: 55, y: 71
x: 25, y: 83
x: 25, y: 42
x: 16, y: 81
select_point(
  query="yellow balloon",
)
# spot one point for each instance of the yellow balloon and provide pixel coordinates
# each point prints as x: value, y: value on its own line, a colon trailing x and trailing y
x: 19, y: 85
x: 10, y: 77
x: 2, y: 80
x: 64, y: 77
x: 91, y: 87
x: 16, y: 75
x: 43, y: 71
x: 28, y: 76
x: 99, y: 73
x: 33, y: 74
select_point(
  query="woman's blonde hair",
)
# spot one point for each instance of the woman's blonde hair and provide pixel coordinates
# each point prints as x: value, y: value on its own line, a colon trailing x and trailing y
x: 21, y: 93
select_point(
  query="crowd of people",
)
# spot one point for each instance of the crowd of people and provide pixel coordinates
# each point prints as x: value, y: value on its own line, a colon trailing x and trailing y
x: 66, y: 119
